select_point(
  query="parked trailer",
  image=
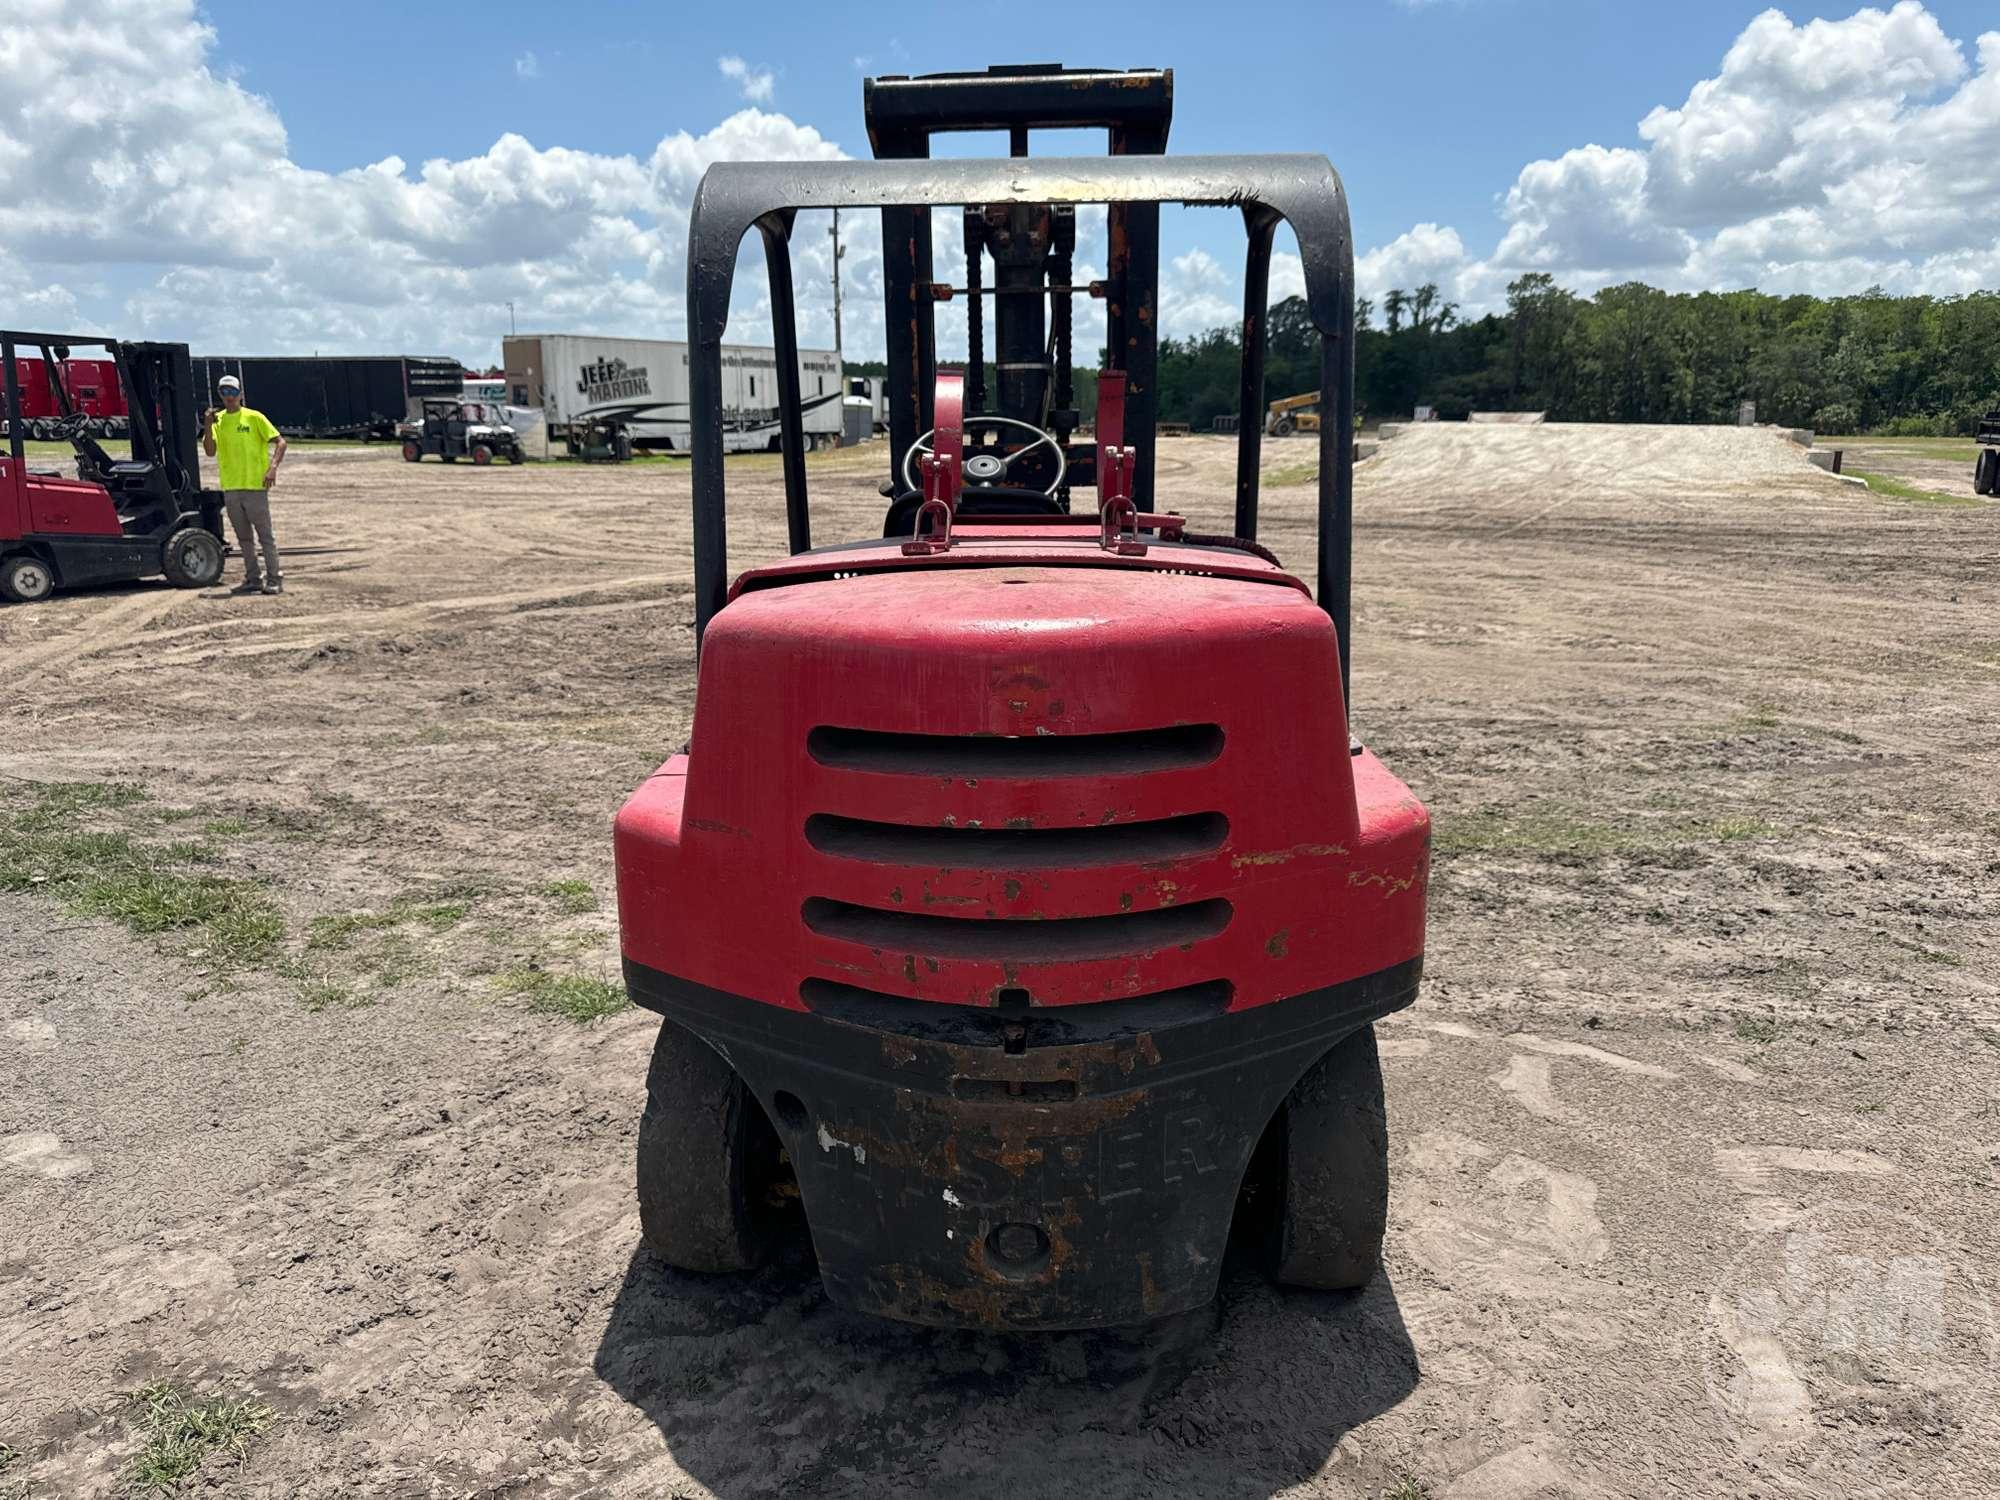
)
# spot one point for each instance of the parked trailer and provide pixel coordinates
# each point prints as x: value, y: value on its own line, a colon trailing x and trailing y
x: 364, y: 395
x: 578, y: 379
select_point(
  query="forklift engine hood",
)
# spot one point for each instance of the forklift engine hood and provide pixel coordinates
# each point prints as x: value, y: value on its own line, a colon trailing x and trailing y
x: 1019, y: 861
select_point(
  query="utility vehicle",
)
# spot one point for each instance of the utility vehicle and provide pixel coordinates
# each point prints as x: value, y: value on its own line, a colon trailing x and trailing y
x: 1022, y: 896
x: 453, y: 428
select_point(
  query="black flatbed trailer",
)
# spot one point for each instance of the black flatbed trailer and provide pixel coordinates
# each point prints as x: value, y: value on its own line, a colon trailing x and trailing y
x: 332, y: 396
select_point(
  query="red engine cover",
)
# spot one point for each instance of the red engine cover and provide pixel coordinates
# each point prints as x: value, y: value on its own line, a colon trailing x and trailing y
x: 948, y: 781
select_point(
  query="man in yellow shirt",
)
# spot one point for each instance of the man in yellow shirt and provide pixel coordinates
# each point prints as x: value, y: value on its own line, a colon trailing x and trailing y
x: 247, y: 450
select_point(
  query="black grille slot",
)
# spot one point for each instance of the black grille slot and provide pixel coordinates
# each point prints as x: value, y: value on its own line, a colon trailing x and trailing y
x: 1050, y: 940
x: 1015, y: 1090
x: 1040, y: 1026
x: 1175, y: 748
x: 964, y: 848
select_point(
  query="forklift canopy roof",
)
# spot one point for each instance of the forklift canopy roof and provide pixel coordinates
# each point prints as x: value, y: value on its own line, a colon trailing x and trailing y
x: 1301, y: 190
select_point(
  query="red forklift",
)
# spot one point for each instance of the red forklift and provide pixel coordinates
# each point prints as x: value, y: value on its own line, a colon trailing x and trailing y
x: 118, y: 519
x: 1022, y: 907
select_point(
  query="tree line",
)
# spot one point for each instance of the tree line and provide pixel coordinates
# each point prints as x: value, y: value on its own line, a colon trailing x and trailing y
x: 1912, y: 366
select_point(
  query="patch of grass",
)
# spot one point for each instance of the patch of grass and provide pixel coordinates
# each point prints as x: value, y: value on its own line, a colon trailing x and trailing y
x: 335, y: 933
x: 1559, y: 833
x: 100, y: 873
x: 1290, y: 474
x: 572, y: 897
x: 1891, y: 488
x: 1407, y: 1487
x: 571, y: 996
x: 1930, y: 955
x: 1759, y: 1029
x: 182, y: 1434
x: 1955, y: 450
x: 1763, y: 716
x: 224, y: 828
x: 317, y: 990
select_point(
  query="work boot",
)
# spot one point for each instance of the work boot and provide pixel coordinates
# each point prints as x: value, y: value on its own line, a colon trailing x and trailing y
x: 248, y: 587
x: 274, y: 587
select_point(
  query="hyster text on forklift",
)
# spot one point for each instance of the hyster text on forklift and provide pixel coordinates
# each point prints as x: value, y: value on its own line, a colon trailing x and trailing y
x: 1022, y: 894
x: 118, y: 519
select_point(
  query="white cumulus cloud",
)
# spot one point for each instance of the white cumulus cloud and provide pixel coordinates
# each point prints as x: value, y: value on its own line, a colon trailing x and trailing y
x: 759, y: 85
x: 151, y: 194
x: 1823, y: 156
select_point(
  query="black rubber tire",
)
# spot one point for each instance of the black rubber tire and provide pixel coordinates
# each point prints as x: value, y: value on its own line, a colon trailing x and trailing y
x: 515, y: 455
x: 192, y: 559
x: 1284, y: 427
x: 1335, y: 1170
x: 1986, y: 472
x: 412, y: 452
x: 481, y: 454
x: 698, y: 1139
x: 26, y: 579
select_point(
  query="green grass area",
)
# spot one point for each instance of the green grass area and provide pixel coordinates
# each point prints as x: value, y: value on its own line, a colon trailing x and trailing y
x: 1956, y: 450
x: 183, y: 1434
x: 1891, y: 488
x: 1291, y: 474
x: 571, y: 996
x: 1758, y: 1029
x: 49, y: 845
x: 571, y: 897
x: 1562, y: 833
x: 339, y: 932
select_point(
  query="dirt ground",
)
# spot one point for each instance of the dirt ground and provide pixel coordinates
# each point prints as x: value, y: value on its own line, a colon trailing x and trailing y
x: 1695, y: 1126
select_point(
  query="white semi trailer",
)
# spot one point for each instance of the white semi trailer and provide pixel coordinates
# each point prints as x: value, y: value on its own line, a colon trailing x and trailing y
x: 574, y: 379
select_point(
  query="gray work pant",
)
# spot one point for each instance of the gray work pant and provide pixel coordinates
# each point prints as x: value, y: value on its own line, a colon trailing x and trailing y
x: 250, y: 515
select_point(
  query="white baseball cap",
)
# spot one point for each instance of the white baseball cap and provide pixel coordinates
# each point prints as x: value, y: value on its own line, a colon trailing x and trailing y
x: 229, y: 383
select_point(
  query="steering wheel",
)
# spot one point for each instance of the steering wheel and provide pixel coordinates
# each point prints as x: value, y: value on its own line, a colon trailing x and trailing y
x: 75, y: 425
x: 985, y: 470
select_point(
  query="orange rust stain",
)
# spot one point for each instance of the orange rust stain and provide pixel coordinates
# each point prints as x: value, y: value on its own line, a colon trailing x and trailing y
x: 1148, y: 1292
x: 1391, y: 884
x: 1286, y: 856
x: 1168, y: 891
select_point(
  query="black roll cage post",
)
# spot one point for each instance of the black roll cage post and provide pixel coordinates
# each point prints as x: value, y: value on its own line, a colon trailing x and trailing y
x: 1303, y: 191
x: 1136, y: 109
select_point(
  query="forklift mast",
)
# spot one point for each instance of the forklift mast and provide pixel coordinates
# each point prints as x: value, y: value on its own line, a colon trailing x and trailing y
x: 1031, y: 246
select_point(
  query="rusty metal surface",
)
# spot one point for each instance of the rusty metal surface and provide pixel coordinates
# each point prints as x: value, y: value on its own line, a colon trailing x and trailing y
x: 1005, y: 1168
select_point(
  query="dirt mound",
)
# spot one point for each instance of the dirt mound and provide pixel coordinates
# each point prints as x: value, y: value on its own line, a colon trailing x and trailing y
x: 1640, y: 461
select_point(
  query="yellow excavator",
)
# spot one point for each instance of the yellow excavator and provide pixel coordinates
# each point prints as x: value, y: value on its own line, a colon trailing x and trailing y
x: 1293, y: 414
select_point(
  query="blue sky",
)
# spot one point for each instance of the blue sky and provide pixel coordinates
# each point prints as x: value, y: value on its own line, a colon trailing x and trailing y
x: 1427, y: 110
x: 370, y: 174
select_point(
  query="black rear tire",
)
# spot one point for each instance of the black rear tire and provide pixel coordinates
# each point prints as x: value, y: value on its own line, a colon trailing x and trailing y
x: 192, y: 559
x: 1336, y: 1170
x: 1986, y: 472
x: 699, y: 1141
x: 412, y: 452
x: 26, y: 579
